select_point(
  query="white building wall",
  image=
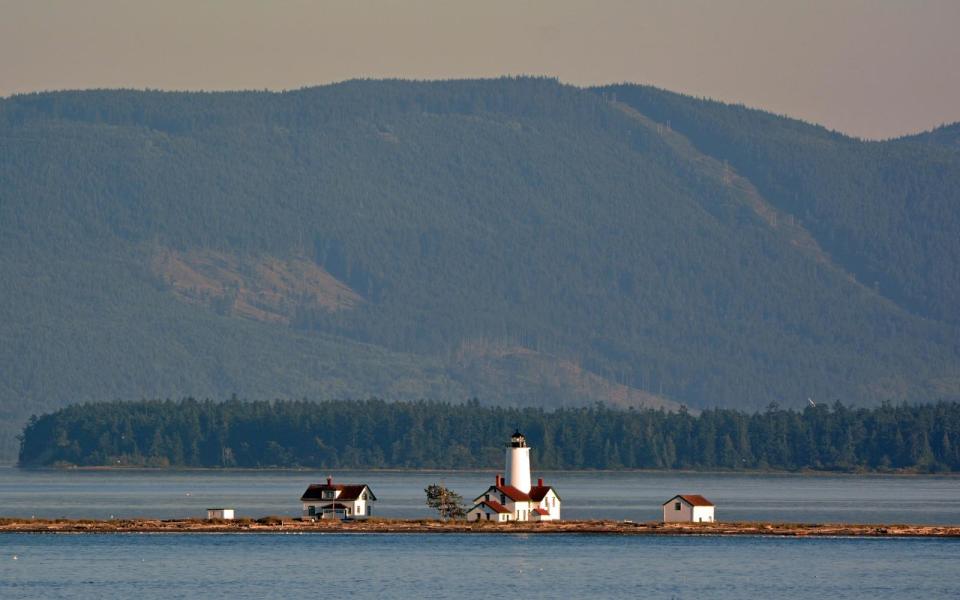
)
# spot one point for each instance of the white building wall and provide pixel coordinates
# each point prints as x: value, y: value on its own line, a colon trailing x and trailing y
x: 703, y: 514
x: 551, y: 503
x: 359, y: 508
x: 521, y: 510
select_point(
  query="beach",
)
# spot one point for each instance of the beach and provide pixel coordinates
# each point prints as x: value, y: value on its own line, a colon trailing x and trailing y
x: 420, y: 526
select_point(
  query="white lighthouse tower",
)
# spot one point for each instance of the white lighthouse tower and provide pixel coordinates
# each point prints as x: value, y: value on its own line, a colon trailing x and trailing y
x: 514, y: 499
x: 518, y: 463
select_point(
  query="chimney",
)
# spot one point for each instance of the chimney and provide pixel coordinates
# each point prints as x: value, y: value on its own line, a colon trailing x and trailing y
x: 499, y: 480
x: 329, y: 480
x: 539, y: 481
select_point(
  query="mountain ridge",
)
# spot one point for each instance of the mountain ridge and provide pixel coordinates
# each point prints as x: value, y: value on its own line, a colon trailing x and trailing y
x: 514, y: 209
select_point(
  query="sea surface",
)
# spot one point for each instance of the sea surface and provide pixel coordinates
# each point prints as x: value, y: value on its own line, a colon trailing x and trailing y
x: 237, y: 566
x: 586, y: 495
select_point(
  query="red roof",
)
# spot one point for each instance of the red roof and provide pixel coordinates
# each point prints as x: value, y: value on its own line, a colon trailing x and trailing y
x: 538, y: 492
x: 495, y: 506
x: 691, y: 499
x: 348, y: 491
x: 507, y: 490
x: 513, y: 493
x: 542, y: 511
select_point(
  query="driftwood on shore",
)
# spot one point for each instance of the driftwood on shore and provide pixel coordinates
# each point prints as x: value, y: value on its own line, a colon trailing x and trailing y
x: 286, y: 525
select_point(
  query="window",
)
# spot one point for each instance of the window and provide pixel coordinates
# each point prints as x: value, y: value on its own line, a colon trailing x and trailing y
x: 676, y: 506
x: 328, y: 494
x: 312, y: 510
x: 364, y: 495
x: 368, y: 510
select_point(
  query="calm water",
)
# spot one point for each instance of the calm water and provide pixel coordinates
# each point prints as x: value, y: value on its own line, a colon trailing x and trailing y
x: 454, y: 566
x: 637, y: 496
x: 463, y: 566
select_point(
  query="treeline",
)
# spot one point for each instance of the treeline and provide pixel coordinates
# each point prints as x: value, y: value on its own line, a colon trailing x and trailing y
x: 379, y: 434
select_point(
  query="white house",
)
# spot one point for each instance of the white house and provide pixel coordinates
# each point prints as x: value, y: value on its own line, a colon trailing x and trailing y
x: 688, y: 508
x: 513, y: 498
x: 502, y: 502
x: 338, y: 500
x: 220, y: 513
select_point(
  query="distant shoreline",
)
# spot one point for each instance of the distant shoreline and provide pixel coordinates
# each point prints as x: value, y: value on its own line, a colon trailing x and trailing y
x: 280, y: 525
x: 802, y: 472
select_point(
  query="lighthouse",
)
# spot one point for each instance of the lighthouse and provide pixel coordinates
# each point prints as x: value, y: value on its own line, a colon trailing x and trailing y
x: 513, y: 498
x: 518, y: 463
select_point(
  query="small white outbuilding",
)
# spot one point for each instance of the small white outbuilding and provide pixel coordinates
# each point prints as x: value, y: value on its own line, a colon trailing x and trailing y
x: 220, y: 513
x: 688, y: 508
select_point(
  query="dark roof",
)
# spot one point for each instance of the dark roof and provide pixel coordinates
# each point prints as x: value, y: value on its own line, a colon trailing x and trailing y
x: 691, y: 499
x: 494, y: 505
x: 538, y: 492
x: 334, y: 506
x: 541, y: 511
x: 348, y: 491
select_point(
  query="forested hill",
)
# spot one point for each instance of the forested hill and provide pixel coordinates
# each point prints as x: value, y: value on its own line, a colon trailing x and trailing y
x: 945, y: 135
x: 518, y: 240
x: 888, y: 212
x: 373, y: 433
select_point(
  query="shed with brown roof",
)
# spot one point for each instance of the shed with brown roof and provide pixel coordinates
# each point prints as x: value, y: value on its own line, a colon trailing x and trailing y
x: 688, y: 508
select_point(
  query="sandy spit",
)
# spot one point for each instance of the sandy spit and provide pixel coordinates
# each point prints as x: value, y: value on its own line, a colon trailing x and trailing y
x: 289, y: 525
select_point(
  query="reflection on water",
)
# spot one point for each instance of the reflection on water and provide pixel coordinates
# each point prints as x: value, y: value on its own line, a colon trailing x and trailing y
x: 586, y: 495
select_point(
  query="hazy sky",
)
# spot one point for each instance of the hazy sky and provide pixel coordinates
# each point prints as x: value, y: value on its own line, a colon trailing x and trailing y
x: 870, y: 68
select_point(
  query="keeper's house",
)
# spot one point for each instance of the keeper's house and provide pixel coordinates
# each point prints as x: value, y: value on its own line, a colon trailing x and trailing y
x: 338, y: 500
x: 502, y: 502
x: 688, y: 508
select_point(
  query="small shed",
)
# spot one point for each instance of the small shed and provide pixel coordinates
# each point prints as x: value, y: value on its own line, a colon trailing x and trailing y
x: 688, y: 508
x: 220, y: 513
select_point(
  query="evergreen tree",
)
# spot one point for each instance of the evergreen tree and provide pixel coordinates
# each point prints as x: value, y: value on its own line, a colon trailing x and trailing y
x: 446, y: 502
